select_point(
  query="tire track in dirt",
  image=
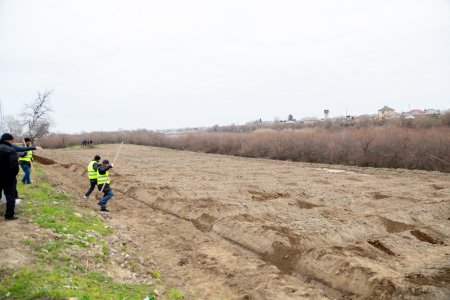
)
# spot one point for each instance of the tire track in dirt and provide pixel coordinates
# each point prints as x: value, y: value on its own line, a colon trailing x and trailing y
x: 205, y: 224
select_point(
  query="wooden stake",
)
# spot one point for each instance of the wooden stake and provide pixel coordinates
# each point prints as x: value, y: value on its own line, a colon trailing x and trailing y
x: 114, y: 161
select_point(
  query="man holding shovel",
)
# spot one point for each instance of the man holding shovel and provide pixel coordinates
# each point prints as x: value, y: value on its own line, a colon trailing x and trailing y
x: 103, y: 184
x: 103, y: 181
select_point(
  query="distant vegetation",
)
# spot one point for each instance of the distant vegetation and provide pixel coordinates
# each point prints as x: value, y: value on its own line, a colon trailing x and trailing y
x: 401, y: 143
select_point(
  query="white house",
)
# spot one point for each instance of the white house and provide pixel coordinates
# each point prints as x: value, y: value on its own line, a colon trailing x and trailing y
x: 386, y: 112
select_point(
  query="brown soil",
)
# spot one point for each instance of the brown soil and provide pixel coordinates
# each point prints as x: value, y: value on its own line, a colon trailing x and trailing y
x: 421, y: 236
x: 237, y: 228
x: 379, y: 245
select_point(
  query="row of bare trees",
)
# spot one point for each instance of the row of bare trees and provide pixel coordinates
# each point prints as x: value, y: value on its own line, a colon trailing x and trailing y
x: 386, y: 146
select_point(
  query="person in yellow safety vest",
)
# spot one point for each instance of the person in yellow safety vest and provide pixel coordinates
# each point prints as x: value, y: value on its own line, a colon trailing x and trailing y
x: 25, y: 160
x: 92, y: 175
x: 103, y: 179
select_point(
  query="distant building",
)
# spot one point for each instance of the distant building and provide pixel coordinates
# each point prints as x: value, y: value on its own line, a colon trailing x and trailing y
x: 432, y: 112
x: 416, y: 112
x: 309, y: 120
x: 412, y: 114
x: 386, y: 112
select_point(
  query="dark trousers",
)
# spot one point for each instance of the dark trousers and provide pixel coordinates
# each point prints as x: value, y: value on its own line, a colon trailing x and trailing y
x: 15, y: 184
x: 17, y: 193
x: 26, y: 167
x: 92, y: 187
x: 9, y: 188
x: 106, y: 196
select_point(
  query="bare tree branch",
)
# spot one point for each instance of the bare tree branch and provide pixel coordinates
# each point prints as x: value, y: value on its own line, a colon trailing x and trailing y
x: 36, y: 116
x: 13, y: 126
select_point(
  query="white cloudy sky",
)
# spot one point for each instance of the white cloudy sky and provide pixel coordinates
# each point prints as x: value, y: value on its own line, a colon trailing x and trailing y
x: 161, y: 64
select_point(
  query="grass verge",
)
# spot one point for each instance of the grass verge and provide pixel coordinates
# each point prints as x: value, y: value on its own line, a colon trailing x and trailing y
x: 63, y: 264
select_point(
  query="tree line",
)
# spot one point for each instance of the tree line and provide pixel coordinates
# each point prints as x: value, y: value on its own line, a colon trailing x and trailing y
x: 379, y: 146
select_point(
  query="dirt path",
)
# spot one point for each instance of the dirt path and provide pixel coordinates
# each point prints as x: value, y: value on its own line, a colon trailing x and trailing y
x: 237, y: 228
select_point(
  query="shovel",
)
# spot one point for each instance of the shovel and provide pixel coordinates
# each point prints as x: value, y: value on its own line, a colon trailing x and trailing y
x: 114, y: 161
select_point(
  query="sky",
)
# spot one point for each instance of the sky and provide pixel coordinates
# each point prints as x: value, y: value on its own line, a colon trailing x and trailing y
x: 162, y: 64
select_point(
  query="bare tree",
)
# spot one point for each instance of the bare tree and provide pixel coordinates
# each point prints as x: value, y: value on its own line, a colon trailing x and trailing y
x: 13, y: 126
x: 36, y: 116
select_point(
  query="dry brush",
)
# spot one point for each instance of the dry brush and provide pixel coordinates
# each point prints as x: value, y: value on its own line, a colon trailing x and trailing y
x: 385, y: 146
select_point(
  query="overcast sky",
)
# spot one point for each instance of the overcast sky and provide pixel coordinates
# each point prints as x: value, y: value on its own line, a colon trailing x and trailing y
x: 173, y: 63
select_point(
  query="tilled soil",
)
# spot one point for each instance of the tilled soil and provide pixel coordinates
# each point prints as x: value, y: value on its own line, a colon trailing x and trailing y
x: 223, y: 227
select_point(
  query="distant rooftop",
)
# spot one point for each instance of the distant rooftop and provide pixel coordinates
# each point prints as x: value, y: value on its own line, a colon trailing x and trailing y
x: 386, y: 108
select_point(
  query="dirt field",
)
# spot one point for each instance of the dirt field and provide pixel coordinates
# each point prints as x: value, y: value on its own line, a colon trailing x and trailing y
x: 226, y: 227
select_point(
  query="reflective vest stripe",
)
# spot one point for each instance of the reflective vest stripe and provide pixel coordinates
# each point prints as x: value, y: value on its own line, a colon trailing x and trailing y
x: 27, y: 157
x: 102, y: 178
x: 92, y: 174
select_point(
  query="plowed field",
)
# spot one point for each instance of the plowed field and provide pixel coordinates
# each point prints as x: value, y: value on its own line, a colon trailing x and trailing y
x: 225, y: 227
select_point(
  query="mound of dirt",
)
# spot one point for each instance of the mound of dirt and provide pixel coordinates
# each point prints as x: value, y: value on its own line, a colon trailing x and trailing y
x: 43, y: 160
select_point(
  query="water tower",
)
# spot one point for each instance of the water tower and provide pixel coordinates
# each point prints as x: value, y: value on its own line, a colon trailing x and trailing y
x: 326, y: 112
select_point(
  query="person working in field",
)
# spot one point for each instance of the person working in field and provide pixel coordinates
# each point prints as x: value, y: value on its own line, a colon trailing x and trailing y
x: 21, y: 150
x: 25, y: 161
x: 103, y: 184
x: 92, y: 174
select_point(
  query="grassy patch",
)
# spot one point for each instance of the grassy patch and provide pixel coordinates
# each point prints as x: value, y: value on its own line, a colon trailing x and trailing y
x: 61, y: 268
x: 60, y: 284
x: 56, y: 211
x: 175, y: 294
x: 156, y: 274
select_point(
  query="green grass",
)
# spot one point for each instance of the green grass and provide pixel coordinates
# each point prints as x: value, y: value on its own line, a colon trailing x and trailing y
x: 60, y: 270
x: 56, y: 211
x: 37, y: 284
x: 175, y: 294
x: 156, y: 274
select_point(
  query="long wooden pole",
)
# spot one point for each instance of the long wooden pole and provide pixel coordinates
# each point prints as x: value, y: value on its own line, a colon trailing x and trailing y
x: 117, y: 154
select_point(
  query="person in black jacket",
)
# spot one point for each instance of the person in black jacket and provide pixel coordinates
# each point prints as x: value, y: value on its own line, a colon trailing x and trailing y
x: 18, y: 150
x: 9, y: 167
